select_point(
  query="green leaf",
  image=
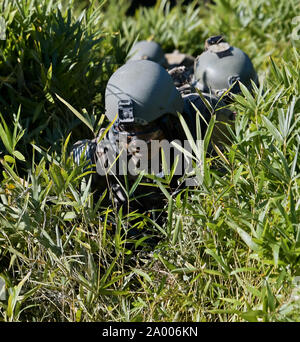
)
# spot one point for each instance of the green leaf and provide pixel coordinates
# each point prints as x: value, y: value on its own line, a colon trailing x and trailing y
x: 177, y: 229
x: 69, y: 216
x: 271, y: 298
x: 74, y: 111
x: 272, y: 129
x: 244, y: 236
x: 142, y: 274
x: 18, y: 155
x: 9, y: 159
x: 218, y: 259
x: 14, y: 297
x: 136, y: 183
x: 251, y: 315
x: 6, y: 139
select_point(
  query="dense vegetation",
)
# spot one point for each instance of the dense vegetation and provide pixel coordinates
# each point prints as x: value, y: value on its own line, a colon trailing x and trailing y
x: 230, y: 248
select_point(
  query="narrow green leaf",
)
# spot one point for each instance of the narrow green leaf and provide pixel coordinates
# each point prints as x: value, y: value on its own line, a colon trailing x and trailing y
x: 142, y: 274
x: 272, y: 129
x: 74, y: 111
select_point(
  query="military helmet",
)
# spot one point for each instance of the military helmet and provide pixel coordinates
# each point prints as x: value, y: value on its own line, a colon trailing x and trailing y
x: 141, y: 92
x: 221, y: 66
x: 147, y: 50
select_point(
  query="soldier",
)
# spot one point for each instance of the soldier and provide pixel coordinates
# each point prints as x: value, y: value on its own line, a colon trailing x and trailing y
x: 147, y: 49
x: 179, y: 65
x: 143, y: 99
x: 221, y: 66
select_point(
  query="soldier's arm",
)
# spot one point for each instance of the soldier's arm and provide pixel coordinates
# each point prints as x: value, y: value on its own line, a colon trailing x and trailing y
x: 86, y: 149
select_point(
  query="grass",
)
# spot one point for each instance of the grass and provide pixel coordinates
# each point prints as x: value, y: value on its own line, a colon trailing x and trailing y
x: 230, y: 248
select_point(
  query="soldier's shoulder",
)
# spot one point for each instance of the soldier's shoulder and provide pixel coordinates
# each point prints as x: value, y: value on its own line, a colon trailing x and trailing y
x: 190, y: 98
x: 193, y: 102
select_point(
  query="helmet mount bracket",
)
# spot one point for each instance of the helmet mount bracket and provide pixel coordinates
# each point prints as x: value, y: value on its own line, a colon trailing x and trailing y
x: 125, y: 111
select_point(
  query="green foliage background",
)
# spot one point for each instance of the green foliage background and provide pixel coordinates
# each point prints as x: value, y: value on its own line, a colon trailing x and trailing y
x: 230, y: 248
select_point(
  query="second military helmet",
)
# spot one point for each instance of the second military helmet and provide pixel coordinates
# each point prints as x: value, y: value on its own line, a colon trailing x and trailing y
x: 141, y: 92
x: 148, y: 50
x: 220, y: 67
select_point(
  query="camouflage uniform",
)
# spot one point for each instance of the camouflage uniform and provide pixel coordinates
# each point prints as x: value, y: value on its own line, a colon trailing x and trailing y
x: 161, y: 105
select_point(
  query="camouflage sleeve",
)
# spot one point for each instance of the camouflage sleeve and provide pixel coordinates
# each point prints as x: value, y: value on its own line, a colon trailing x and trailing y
x: 88, y: 147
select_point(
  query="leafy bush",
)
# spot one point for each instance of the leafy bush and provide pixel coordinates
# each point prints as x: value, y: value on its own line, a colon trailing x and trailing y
x: 50, y: 51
